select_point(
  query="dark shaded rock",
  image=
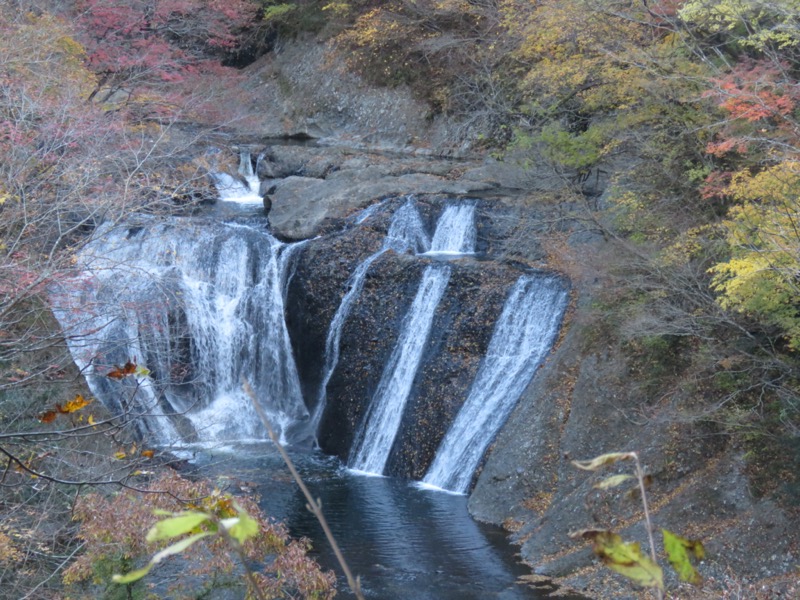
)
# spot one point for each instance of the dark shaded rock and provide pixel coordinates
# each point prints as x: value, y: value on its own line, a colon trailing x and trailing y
x: 462, y: 328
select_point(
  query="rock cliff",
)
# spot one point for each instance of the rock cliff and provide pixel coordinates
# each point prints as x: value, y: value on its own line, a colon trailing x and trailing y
x: 583, y: 402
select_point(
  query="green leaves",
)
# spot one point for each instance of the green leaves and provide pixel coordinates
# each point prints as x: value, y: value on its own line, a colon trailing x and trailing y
x: 677, y: 549
x: 625, y: 558
x: 175, y: 548
x: 177, y: 525
x: 241, y: 528
x: 238, y: 530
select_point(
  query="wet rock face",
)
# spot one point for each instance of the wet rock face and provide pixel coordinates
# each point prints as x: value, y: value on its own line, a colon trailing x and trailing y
x: 368, y: 338
x: 462, y: 328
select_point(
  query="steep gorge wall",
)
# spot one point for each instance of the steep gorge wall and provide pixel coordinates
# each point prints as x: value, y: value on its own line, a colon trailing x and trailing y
x: 584, y: 400
x: 460, y: 335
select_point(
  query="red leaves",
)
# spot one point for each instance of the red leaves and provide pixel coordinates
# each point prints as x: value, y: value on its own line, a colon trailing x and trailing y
x: 715, y: 186
x: 49, y: 416
x: 759, y: 98
x: 137, y: 40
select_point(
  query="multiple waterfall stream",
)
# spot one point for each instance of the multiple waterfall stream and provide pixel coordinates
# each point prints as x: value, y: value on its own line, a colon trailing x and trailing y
x: 200, y: 304
x: 522, y: 337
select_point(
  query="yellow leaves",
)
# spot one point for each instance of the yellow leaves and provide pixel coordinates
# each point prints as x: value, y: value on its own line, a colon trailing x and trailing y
x: 75, y: 404
x: 777, y: 184
x: 612, y: 482
x: 626, y: 558
x: 41, y: 48
x: 8, y: 551
x: 688, y: 246
x: 576, y: 51
x: 767, y: 25
x: 603, y: 460
x: 763, y: 235
x: 69, y: 407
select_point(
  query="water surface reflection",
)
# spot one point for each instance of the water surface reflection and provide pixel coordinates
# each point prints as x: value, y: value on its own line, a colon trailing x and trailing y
x: 404, y: 542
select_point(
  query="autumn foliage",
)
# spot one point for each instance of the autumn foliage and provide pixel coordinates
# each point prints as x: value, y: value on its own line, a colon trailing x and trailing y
x: 114, y: 530
x: 131, y: 44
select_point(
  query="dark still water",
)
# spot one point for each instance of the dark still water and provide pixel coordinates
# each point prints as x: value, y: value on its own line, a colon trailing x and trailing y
x: 404, y: 542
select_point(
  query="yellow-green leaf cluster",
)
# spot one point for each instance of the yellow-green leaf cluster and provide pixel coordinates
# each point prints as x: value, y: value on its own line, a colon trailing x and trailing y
x: 626, y: 558
x: 763, y: 235
x: 677, y: 549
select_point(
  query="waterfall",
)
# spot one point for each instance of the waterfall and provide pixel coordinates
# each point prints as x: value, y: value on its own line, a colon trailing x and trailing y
x: 455, y: 232
x: 523, y: 335
x: 382, y: 419
x: 201, y: 305
x: 247, y: 172
x: 406, y: 233
x: 243, y: 189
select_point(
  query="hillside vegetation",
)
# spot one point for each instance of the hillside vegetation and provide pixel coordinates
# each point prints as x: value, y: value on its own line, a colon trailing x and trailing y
x: 674, y: 126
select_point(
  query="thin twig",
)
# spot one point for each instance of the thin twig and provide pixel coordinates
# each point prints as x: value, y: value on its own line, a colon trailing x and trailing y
x: 55, y: 571
x: 313, y: 505
x: 648, y: 523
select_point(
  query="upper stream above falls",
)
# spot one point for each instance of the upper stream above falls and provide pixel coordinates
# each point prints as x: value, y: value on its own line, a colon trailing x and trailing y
x: 394, y: 343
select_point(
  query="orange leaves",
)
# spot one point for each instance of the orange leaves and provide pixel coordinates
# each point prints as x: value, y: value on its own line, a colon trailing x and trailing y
x: 757, y: 93
x: 49, y: 416
x: 133, y: 451
x: 128, y: 369
x: 74, y: 405
x: 124, y: 371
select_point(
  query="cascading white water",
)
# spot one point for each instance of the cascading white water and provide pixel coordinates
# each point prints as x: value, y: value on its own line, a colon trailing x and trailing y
x: 382, y: 419
x: 523, y: 335
x: 200, y: 304
x: 455, y: 232
x: 243, y: 190
x: 406, y: 233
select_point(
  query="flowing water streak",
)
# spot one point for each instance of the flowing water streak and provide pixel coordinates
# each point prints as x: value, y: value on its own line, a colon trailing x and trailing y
x: 455, y: 234
x: 406, y: 233
x: 242, y: 190
x: 523, y: 335
x: 382, y: 419
x: 247, y: 172
x: 201, y: 304
x: 455, y: 231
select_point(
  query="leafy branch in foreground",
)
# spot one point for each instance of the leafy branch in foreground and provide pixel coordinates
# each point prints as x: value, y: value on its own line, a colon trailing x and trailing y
x: 627, y: 558
x: 235, y: 530
x: 219, y: 538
